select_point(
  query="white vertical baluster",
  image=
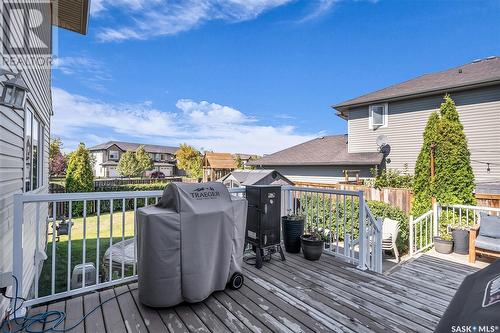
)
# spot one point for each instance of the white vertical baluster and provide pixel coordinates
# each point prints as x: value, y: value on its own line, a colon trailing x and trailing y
x: 97, y: 255
x: 70, y: 222
x: 135, y: 237
x: 53, y: 271
x: 110, y: 239
x: 123, y: 237
x: 84, y: 239
x: 37, y: 245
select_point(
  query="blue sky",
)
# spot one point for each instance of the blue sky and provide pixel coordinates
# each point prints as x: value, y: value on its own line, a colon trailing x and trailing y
x: 249, y: 76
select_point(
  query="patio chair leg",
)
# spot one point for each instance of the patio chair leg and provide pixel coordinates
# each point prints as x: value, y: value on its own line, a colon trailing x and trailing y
x: 396, y: 252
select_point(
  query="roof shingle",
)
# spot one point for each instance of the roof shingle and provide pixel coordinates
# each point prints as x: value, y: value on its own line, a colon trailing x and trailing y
x: 129, y: 146
x: 474, y: 73
x: 327, y: 150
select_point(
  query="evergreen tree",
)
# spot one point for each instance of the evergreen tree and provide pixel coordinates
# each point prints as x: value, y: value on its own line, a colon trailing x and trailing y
x: 454, y: 182
x: 422, y: 185
x: 145, y: 163
x: 454, y: 178
x: 128, y: 166
x: 79, y: 175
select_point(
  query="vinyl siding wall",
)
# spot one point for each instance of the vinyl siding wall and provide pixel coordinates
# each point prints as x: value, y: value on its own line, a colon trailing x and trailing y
x: 12, y: 153
x: 479, y: 111
x: 319, y: 174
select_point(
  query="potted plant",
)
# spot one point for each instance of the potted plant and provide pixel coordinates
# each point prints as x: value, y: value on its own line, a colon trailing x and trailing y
x: 444, y: 242
x: 293, y: 228
x: 312, y: 245
x: 460, y: 236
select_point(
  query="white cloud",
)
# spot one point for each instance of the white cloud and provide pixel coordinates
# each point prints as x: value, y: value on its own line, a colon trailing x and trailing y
x: 322, y: 7
x: 203, y: 124
x: 87, y: 70
x: 161, y: 18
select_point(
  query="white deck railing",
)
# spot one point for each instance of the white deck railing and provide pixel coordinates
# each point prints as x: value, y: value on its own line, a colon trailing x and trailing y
x: 424, y: 228
x: 350, y: 232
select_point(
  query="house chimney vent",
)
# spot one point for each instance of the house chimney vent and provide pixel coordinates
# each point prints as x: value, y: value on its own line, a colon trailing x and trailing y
x: 460, y: 70
x: 490, y: 58
x: 477, y: 60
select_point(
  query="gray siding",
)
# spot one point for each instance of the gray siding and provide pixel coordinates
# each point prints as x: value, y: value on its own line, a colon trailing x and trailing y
x: 319, y: 174
x: 479, y: 111
x: 12, y: 165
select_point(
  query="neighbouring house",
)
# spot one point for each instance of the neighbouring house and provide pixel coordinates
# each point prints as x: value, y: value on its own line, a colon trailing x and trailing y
x: 239, y: 178
x: 324, y: 160
x: 217, y: 165
x: 107, y: 155
x: 398, y: 114
x: 25, y: 123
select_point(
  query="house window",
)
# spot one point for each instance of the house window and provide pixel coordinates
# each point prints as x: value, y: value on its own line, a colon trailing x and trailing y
x: 378, y: 116
x: 33, y: 136
x: 163, y: 157
x: 157, y: 157
x: 113, y: 155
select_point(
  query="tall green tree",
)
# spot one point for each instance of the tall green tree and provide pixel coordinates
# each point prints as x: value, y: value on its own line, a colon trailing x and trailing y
x: 422, y: 184
x: 128, y: 166
x: 79, y: 175
x: 190, y: 160
x: 144, y: 162
x: 454, y: 182
x: 454, y: 178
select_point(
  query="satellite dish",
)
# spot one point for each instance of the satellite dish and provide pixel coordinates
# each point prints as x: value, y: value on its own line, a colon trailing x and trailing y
x: 382, y: 141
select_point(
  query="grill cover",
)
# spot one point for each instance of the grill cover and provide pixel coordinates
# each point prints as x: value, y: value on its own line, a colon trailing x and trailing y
x: 190, y: 243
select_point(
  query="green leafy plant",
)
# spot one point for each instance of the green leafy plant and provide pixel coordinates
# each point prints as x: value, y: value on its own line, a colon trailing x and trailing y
x: 327, y: 215
x: 190, y: 160
x: 79, y: 175
x: 135, y: 163
x: 392, y: 178
x: 444, y: 233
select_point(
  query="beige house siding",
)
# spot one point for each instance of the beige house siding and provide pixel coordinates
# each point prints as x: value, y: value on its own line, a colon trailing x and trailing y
x: 12, y: 153
x: 479, y: 111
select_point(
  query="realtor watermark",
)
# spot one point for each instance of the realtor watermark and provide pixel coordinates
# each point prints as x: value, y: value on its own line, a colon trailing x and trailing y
x: 475, y: 329
x: 27, y: 38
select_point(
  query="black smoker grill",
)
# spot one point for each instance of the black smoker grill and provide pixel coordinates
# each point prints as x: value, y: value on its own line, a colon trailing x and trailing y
x: 263, y: 221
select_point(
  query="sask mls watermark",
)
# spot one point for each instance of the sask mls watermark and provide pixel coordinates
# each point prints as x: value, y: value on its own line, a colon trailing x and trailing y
x: 27, y: 33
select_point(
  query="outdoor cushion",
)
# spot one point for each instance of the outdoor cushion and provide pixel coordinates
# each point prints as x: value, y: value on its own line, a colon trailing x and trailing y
x: 489, y: 226
x: 488, y: 243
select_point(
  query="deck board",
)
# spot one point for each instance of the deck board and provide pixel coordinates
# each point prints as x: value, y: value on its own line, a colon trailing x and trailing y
x: 296, y: 295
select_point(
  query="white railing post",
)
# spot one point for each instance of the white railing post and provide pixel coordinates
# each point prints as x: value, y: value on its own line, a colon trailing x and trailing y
x: 378, y: 247
x: 410, y: 224
x: 17, y: 244
x: 362, y: 232
x: 435, y: 219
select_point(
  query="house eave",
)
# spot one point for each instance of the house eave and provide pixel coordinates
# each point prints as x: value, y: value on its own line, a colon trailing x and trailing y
x: 342, y: 108
x: 71, y: 15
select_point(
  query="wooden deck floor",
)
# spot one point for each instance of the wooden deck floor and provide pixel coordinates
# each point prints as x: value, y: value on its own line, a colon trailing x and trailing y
x: 292, y: 296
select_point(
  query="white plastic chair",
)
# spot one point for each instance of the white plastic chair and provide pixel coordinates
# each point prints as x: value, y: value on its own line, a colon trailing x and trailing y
x: 390, y: 230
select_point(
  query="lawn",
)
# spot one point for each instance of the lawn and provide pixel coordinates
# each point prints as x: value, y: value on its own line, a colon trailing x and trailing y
x: 89, y: 226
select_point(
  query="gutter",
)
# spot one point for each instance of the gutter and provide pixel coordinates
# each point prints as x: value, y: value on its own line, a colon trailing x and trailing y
x: 343, y: 108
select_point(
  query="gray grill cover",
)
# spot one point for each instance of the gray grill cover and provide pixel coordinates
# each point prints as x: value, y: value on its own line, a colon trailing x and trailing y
x: 190, y: 243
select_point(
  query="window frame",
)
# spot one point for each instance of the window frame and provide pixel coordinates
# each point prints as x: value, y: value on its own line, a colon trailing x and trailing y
x: 117, y: 155
x: 385, y: 116
x: 30, y: 111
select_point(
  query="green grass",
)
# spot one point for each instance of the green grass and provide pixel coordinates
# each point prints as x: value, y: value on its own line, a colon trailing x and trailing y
x: 89, y: 226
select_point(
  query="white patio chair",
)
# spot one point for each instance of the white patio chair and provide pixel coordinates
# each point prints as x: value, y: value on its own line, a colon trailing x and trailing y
x: 390, y: 230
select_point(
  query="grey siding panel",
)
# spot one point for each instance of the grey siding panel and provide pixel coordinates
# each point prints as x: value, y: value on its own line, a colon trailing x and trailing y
x: 12, y: 163
x: 319, y: 174
x: 479, y: 111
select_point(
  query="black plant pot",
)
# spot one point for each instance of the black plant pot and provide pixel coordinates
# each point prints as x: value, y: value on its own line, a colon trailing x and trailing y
x: 293, y: 228
x: 460, y: 241
x: 443, y: 246
x: 312, y: 248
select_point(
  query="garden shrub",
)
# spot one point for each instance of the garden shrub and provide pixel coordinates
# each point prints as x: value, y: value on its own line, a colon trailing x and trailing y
x: 454, y: 179
x: 319, y: 210
x: 393, y: 178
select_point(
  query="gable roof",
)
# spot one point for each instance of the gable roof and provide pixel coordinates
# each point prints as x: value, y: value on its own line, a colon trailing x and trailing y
x: 129, y: 146
x: 327, y: 150
x: 219, y: 160
x: 251, y: 177
x: 476, y: 73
